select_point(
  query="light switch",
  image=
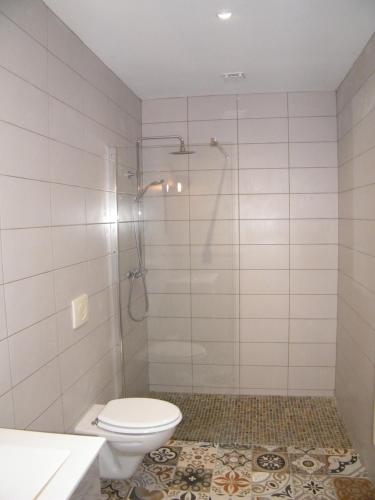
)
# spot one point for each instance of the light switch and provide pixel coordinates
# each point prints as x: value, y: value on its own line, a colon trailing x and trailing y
x: 80, y: 311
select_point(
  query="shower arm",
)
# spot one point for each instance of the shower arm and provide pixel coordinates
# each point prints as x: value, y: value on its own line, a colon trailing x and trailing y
x: 161, y: 137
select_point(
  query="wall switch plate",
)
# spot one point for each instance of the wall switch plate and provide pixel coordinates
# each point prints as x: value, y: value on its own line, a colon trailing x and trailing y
x: 80, y: 311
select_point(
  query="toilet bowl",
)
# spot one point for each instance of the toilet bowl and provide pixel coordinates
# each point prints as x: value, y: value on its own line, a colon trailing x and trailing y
x: 132, y: 427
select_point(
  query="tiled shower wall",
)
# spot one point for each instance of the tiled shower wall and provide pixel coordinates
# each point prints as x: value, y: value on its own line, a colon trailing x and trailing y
x: 242, y: 253
x: 356, y: 313
x: 60, y: 108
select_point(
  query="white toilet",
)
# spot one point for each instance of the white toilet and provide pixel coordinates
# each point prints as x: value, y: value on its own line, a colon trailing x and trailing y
x: 132, y: 428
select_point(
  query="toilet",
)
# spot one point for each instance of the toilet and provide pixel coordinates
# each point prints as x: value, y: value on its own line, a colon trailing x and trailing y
x: 132, y: 427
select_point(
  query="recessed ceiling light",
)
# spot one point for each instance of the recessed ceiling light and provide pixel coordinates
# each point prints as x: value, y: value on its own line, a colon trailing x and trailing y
x: 224, y: 15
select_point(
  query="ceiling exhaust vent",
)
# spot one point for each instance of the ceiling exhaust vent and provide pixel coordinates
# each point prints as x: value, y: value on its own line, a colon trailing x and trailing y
x: 236, y: 75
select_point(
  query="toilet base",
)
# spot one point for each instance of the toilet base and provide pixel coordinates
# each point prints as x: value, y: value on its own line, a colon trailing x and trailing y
x: 115, y: 466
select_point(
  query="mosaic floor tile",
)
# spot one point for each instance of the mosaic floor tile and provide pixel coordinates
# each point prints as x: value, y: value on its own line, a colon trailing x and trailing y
x: 271, y: 485
x: 301, y: 421
x: 313, y: 487
x: 354, y: 488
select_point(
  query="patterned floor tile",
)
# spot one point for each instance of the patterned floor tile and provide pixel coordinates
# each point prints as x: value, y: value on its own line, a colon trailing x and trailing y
x: 114, y: 490
x: 153, y: 476
x: 308, y: 464
x: 234, y: 457
x: 198, y: 455
x: 270, y: 459
x: 166, y: 455
x: 139, y: 493
x: 354, y: 488
x: 313, y: 487
x: 345, y: 463
x: 271, y: 485
x: 193, y: 480
x: 231, y: 482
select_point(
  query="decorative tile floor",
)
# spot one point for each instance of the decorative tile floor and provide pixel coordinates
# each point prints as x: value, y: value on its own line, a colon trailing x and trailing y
x: 241, y: 420
x: 186, y: 470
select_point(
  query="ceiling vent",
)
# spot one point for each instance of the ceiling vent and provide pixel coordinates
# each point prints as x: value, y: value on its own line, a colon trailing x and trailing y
x: 236, y: 75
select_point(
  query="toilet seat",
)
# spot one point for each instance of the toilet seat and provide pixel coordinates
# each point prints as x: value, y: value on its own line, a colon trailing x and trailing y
x: 138, y: 416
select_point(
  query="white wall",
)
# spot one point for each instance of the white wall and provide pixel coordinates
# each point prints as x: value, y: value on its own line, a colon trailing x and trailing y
x: 356, y: 290
x: 60, y: 107
x: 243, y: 261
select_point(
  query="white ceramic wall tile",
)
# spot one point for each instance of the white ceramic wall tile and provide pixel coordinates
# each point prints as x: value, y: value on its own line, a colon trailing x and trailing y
x: 214, y: 257
x: 263, y: 155
x: 317, y: 129
x: 214, y: 306
x: 265, y: 130
x: 312, y: 354
x: 169, y: 328
x: 6, y: 411
x: 310, y: 206
x: 26, y: 252
x: 264, y: 232
x: 313, y: 154
x: 264, y: 206
x: 312, y: 232
x: 264, y: 281
x: 214, y: 329
x: 211, y: 158
x: 313, y: 180
x: 313, y: 331
x: 212, y: 107
x: 218, y: 232
x: 218, y: 182
x: 214, y: 281
x: 263, y: 377
x: 215, y: 376
x: 211, y: 207
x: 70, y: 282
x: 313, y: 256
x: 263, y: 181
x: 32, y: 20
x: 5, y: 374
x: 168, y: 128
x: 312, y: 104
x: 264, y: 354
x: 164, y: 110
x: 262, y: 105
x: 264, y: 330
x: 225, y: 131
x: 264, y: 256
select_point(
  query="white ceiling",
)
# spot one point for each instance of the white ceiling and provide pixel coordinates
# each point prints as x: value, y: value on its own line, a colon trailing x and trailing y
x: 165, y: 48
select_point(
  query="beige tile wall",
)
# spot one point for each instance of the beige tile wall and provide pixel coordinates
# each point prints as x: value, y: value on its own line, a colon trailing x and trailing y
x: 60, y: 108
x: 356, y: 290
x: 242, y: 254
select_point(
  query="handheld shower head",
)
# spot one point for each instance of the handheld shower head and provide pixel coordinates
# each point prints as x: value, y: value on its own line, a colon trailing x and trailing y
x: 142, y: 191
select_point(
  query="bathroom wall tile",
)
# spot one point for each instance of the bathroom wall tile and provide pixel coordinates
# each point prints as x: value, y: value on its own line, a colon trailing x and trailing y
x: 169, y: 305
x: 211, y: 207
x: 313, y: 180
x: 264, y: 181
x: 166, y: 208
x: 211, y: 158
x: 35, y: 394
x: 218, y: 232
x: 100, y: 207
x: 32, y: 348
x: 166, y: 232
x: 15, y: 160
x: 164, y: 110
x: 265, y: 130
x: 217, y: 182
x: 315, y: 129
x: 70, y: 282
x: 6, y: 411
x: 264, y: 206
x: 66, y: 124
x: 5, y: 378
x: 321, y: 331
x: 163, y: 374
x: 159, y: 158
x: 313, y: 306
x: 100, y: 273
x: 264, y: 232
x: 263, y: 155
x: 212, y: 107
x: 313, y: 256
x: 66, y: 164
x: 214, y: 329
x: 200, y: 132
x: 168, y: 281
x: 214, y: 306
x: 264, y: 281
x: 32, y: 19
x: 312, y: 354
x: 69, y: 245
x: 313, y: 154
x: 214, y: 281
x: 313, y: 231
x: 312, y: 103
x: 68, y: 205
x: 24, y: 203
x: 65, y: 84
x: 263, y: 377
x: 264, y: 306
x: 322, y: 378
x: 262, y: 105
x: 214, y: 257
x: 169, y: 328
x: 313, y: 281
x: 23, y: 104
x: 33, y: 296
x: 167, y: 257
x: 3, y: 326
x: 161, y: 129
x: 214, y: 376
x: 264, y: 354
x: 49, y: 421
x: 175, y: 183
x: 310, y: 206
x: 264, y: 330
x: 264, y: 256
x: 167, y: 351
x: 26, y: 252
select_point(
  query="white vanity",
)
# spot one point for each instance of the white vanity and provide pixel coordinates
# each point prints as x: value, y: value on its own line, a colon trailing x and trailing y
x: 44, y: 466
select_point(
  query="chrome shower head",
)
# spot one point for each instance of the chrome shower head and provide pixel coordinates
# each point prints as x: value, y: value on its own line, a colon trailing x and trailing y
x: 182, y: 150
x: 142, y: 191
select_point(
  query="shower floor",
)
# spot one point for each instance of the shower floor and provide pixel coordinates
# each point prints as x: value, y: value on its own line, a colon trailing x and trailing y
x: 243, y: 420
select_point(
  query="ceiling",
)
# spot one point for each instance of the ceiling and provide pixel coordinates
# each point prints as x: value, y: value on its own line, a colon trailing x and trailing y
x: 165, y: 48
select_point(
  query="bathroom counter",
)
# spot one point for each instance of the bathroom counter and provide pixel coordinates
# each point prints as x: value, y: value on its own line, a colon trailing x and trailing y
x: 44, y: 466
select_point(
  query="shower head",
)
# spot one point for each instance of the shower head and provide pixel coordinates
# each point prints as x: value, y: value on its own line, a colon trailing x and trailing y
x: 143, y: 190
x: 182, y: 150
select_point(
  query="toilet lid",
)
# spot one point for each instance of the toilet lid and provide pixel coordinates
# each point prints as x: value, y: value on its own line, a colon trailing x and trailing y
x: 138, y: 413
